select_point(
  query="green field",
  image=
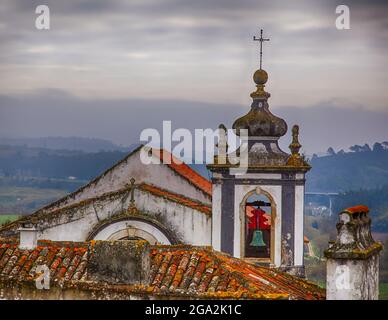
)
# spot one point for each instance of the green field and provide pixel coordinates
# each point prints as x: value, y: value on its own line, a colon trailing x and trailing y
x: 24, y: 200
x: 7, y: 218
x: 383, y: 291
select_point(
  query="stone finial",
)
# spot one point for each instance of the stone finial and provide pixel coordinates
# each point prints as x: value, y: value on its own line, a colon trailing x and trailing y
x: 295, y: 145
x: 295, y: 159
x: 222, y: 144
x: 354, y: 237
x: 353, y: 258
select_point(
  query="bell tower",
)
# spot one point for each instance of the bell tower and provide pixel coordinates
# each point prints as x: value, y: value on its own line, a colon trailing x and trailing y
x: 258, y: 215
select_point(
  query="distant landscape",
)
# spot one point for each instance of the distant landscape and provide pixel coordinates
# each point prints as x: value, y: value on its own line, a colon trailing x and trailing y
x: 34, y: 172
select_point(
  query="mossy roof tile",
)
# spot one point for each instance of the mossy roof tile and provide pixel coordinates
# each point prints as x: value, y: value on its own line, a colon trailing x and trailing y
x: 175, y: 270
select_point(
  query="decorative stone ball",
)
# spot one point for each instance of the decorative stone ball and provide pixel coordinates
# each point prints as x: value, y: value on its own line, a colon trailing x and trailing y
x: 260, y: 77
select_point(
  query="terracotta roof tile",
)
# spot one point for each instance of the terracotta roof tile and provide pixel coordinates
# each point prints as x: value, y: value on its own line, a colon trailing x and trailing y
x: 199, y: 270
x: 175, y: 270
x: 357, y: 209
x: 185, y: 171
x: 21, y: 264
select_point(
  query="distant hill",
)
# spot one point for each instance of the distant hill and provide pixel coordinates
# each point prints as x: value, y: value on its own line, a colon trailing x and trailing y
x: 64, y: 143
x: 31, y: 177
x: 375, y: 199
x: 360, y: 168
x: 45, y: 163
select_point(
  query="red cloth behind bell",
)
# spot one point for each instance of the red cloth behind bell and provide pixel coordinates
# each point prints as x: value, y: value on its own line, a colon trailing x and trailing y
x: 258, y: 220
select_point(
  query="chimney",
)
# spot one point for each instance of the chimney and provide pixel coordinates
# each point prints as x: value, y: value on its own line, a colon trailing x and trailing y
x: 122, y: 261
x: 28, y: 236
x: 353, y: 258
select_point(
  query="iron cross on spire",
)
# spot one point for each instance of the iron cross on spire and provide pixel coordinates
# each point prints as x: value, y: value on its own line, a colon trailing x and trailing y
x: 261, y: 39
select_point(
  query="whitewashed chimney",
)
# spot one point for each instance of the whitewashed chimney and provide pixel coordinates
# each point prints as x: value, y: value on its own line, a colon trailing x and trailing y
x: 28, y: 236
x: 353, y: 259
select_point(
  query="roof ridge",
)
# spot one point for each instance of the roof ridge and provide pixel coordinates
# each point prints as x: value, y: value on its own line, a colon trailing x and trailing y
x: 191, y: 175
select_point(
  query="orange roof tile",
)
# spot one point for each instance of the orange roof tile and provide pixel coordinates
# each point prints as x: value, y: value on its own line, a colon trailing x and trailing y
x: 185, y: 171
x: 66, y: 260
x: 180, y: 270
x: 356, y: 209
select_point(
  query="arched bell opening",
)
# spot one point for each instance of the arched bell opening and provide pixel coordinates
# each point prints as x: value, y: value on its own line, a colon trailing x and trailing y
x: 258, y: 213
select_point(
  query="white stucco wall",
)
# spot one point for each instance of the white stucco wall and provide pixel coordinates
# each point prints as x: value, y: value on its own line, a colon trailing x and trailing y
x: 351, y: 279
x: 299, y: 225
x: 216, y: 217
x: 190, y: 225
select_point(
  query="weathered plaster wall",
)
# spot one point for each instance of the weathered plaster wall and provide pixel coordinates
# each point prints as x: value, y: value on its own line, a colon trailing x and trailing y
x: 353, y: 279
x: 124, y: 262
x: 216, y: 217
x: 353, y: 258
x: 157, y: 174
x: 75, y: 224
x: 299, y: 225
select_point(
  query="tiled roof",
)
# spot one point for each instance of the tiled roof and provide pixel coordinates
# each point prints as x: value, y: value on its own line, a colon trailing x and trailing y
x: 202, y: 271
x: 183, y: 271
x: 185, y: 171
x: 66, y: 260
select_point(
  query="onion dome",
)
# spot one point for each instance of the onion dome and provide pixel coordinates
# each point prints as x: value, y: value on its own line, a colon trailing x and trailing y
x: 259, y: 121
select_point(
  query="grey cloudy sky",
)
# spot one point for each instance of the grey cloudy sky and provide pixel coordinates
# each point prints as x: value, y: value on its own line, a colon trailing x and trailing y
x: 167, y: 54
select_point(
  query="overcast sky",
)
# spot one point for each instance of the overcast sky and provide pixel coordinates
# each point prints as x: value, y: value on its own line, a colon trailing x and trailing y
x: 174, y: 59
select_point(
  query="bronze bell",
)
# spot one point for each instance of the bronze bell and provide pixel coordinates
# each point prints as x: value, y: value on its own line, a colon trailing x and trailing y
x: 257, y: 239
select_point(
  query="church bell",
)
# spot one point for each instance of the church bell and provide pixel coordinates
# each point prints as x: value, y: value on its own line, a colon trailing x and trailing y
x: 257, y: 239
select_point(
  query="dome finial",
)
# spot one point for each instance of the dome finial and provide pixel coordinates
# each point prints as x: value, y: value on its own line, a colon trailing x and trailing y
x: 260, y: 77
x: 259, y: 121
